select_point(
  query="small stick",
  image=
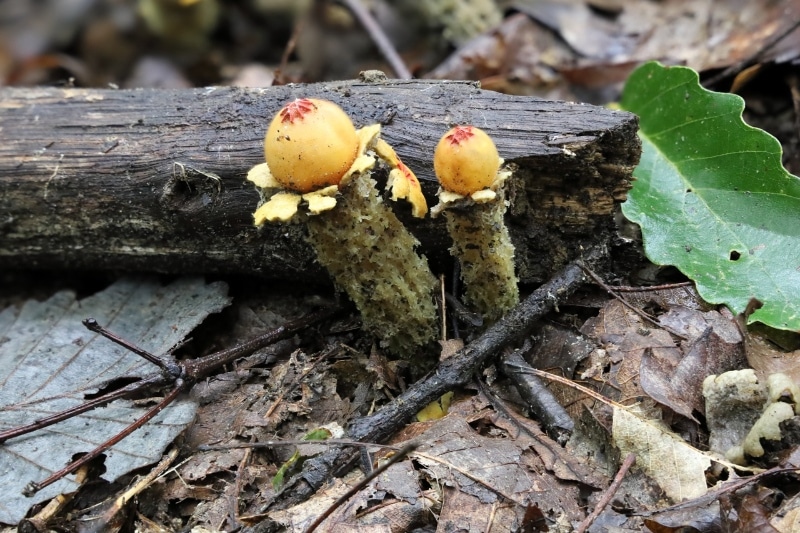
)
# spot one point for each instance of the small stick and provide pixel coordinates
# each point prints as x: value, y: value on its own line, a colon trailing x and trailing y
x: 274, y: 443
x: 108, y: 515
x: 405, y: 450
x: 624, y: 302
x: 128, y: 390
x: 444, y: 307
x: 238, y: 490
x: 609, y: 493
x: 170, y: 368
x: 379, y: 37
x: 280, y: 77
x: 32, y: 488
x: 540, y: 399
x: 649, y: 288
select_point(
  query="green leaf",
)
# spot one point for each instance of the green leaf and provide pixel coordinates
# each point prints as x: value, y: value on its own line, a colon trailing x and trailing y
x: 314, y: 434
x: 712, y: 197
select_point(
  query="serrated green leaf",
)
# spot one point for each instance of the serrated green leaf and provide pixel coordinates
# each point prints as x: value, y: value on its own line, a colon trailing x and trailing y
x: 712, y: 197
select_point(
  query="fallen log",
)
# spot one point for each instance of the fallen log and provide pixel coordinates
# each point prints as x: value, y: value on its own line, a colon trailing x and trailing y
x: 154, y: 180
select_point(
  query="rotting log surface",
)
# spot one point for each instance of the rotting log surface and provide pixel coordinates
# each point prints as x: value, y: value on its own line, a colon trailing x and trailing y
x: 154, y: 180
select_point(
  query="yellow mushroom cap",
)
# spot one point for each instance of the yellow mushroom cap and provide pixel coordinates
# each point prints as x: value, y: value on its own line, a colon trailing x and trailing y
x: 310, y: 144
x: 466, y: 160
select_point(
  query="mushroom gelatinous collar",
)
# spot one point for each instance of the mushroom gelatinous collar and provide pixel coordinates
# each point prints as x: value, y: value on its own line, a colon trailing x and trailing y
x: 312, y: 149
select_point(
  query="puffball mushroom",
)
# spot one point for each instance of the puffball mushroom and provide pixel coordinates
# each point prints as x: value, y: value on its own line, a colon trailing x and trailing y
x: 468, y: 167
x: 317, y: 160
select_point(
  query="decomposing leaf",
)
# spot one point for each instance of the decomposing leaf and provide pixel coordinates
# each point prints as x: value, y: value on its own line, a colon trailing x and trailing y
x: 49, y: 362
x: 677, y: 382
x: 455, y: 455
x: 712, y: 197
x: 678, y: 468
x: 626, y: 337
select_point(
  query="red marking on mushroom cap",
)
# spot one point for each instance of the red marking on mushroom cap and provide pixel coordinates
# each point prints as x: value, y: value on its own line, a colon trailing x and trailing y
x: 297, y: 110
x: 406, y: 172
x: 460, y: 134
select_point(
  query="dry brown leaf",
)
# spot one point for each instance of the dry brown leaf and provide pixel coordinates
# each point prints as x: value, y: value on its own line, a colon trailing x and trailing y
x: 676, y: 380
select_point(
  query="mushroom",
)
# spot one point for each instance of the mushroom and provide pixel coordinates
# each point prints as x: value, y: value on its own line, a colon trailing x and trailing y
x: 318, y: 172
x: 469, y: 170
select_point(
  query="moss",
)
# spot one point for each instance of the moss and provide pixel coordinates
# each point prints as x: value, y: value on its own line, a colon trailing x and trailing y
x: 462, y: 19
x: 370, y: 255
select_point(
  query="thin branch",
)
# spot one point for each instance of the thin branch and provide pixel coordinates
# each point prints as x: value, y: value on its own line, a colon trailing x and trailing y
x: 168, y: 367
x: 408, y: 448
x: 630, y: 459
x: 32, y: 487
x: 541, y: 401
x: 651, y: 288
x: 153, y: 380
x: 625, y: 302
x: 184, y: 376
x: 377, y: 34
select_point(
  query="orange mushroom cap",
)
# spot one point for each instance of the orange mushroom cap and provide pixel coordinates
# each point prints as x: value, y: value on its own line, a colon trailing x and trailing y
x: 466, y: 160
x: 310, y: 144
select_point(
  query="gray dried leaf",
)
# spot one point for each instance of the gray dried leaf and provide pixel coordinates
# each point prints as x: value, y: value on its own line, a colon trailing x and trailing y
x: 49, y: 362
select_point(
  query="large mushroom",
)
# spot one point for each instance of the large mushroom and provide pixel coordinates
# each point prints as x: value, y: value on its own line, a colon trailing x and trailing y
x: 318, y: 172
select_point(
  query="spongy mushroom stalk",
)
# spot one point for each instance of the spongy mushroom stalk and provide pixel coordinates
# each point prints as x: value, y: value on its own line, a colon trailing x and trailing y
x: 318, y: 170
x: 482, y: 244
x: 371, y: 255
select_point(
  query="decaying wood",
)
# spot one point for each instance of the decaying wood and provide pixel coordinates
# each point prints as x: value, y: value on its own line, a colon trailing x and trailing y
x: 154, y: 180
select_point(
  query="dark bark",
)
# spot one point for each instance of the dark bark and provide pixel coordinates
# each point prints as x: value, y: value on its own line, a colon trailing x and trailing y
x: 154, y: 180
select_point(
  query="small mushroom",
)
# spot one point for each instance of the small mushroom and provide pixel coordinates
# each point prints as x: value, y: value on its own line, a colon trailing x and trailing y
x: 471, y: 176
x: 318, y: 172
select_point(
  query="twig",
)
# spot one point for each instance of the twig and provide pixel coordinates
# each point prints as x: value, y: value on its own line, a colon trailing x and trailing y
x: 408, y: 448
x: 238, y: 489
x: 540, y: 399
x: 379, y: 37
x: 289, y: 48
x: 275, y: 443
x: 630, y: 459
x: 625, y: 302
x: 650, y: 288
x: 40, y: 521
x: 108, y: 515
x: 34, y: 487
x: 154, y: 380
